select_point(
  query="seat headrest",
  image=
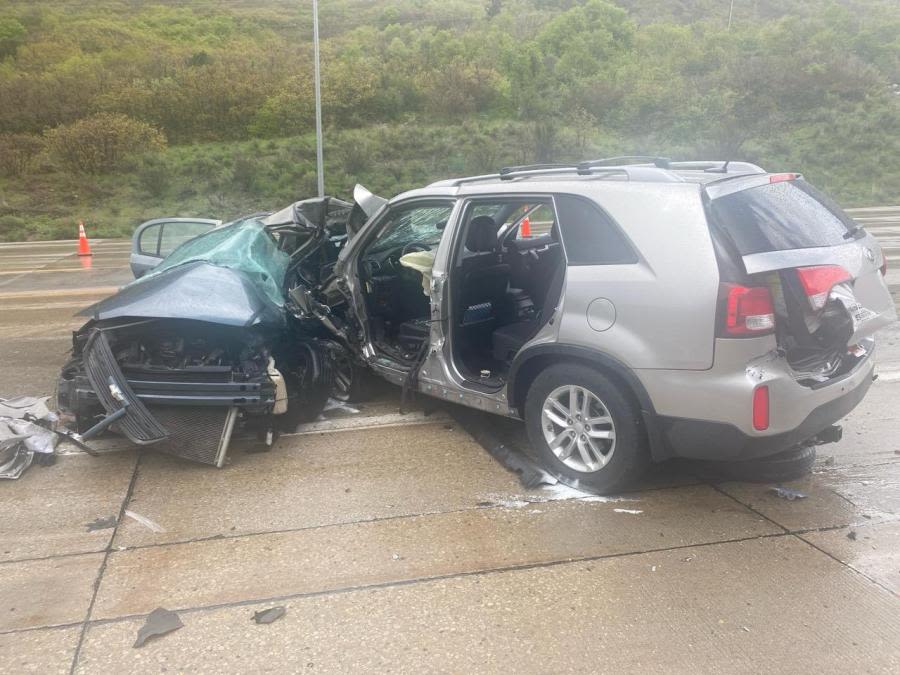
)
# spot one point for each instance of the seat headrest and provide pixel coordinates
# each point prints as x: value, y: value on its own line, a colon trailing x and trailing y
x: 482, y: 234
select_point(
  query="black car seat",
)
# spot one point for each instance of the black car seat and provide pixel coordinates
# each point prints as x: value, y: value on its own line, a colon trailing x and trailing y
x: 507, y: 340
x: 484, y: 277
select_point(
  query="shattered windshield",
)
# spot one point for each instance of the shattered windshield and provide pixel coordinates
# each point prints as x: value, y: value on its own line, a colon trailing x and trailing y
x: 244, y: 246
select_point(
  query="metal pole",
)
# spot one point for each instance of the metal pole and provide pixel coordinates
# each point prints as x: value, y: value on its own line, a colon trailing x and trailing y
x: 730, y: 12
x: 320, y: 169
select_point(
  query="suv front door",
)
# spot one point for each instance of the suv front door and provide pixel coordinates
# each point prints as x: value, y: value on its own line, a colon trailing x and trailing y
x: 413, y: 224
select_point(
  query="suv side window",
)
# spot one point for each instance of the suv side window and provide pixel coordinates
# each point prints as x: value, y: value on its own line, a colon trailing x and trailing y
x: 589, y: 236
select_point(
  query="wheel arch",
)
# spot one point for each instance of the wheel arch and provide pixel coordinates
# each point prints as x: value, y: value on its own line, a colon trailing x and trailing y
x: 530, y: 362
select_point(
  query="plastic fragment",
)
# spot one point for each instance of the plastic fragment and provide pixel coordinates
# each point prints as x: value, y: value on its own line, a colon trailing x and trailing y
x: 787, y: 493
x: 145, y: 521
x: 269, y: 615
x: 159, y: 622
x: 101, y: 524
x: 633, y: 512
x: 851, y: 535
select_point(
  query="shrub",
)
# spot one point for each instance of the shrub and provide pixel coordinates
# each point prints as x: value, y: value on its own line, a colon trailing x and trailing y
x: 155, y: 175
x: 12, y: 228
x: 246, y: 174
x: 17, y: 151
x: 102, y: 142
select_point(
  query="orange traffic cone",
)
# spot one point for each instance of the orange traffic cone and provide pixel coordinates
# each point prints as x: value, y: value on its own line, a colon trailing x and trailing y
x: 525, y: 229
x: 84, y: 248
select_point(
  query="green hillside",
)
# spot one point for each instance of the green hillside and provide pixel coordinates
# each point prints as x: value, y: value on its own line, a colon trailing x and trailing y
x: 115, y: 111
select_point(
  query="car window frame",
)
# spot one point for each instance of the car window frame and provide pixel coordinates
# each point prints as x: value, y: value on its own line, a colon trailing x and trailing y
x: 617, y: 227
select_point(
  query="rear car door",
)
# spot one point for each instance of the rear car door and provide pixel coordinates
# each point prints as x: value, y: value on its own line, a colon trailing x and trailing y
x: 155, y: 239
x: 815, y: 258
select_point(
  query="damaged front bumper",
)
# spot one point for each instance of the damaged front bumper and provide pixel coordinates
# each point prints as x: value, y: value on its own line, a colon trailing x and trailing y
x: 189, y: 412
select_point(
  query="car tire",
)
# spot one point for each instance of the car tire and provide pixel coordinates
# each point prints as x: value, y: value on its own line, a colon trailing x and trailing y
x: 606, y: 456
x: 350, y: 381
x: 788, y: 465
x: 307, y: 395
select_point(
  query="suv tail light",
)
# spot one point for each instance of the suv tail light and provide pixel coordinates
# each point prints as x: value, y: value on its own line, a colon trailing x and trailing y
x: 818, y: 281
x: 748, y: 310
x: 883, y: 267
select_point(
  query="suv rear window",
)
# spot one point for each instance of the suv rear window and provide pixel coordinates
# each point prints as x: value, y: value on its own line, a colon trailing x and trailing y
x: 779, y: 217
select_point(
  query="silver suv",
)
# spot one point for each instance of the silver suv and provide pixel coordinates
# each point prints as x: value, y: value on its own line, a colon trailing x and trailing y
x: 629, y: 310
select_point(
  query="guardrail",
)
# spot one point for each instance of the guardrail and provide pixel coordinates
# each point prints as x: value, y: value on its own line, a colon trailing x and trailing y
x: 876, y: 216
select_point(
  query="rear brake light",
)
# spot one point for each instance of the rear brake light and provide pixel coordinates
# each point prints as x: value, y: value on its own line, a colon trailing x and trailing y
x: 883, y: 267
x: 818, y: 281
x: 761, y: 408
x: 780, y: 177
x: 749, y: 311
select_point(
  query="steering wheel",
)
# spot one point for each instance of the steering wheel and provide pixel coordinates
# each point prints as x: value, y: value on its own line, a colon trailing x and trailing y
x: 414, y: 246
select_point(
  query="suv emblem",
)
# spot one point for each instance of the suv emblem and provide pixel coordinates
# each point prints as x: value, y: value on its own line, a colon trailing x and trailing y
x: 869, y: 254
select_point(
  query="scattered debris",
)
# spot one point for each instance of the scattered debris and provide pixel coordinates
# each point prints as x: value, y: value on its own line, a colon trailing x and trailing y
x: 745, y: 629
x: 631, y: 511
x: 653, y: 568
x: 687, y: 559
x: 395, y: 556
x: 787, y: 493
x: 530, y: 475
x: 269, y: 615
x: 829, y: 461
x: 101, y: 524
x: 14, y: 456
x: 145, y: 521
x: 27, y: 434
x: 851, y: 535
x: 159, y: 622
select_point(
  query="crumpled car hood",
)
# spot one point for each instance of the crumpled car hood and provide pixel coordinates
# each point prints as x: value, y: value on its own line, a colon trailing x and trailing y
x: 196, y: 290
x: 232, y: 275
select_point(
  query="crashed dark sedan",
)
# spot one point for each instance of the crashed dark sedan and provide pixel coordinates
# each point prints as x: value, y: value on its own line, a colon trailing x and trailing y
x: 203, y: 343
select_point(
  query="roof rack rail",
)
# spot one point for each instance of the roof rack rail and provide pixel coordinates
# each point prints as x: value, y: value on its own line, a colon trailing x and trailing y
x: 507, y: 172
x: 658, y: 162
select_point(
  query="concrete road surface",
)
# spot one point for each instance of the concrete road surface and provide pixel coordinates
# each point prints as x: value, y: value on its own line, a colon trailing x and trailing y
x: 396, y: 543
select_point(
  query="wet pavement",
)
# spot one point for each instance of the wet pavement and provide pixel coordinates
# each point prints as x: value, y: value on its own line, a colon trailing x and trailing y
x: 396, y: 543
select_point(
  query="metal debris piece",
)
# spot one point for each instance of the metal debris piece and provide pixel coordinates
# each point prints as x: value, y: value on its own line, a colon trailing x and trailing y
x: 15, y: 456
x: 21, y: 406
x: 159, y: 622
x: 101, y: 524
x: 145, y: 521
x: 269, y: 615
x: 851, y: 535
x: 787, y: 493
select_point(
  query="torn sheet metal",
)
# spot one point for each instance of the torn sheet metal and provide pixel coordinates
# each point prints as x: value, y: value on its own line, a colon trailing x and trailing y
x: 106, y: 523
x: 15, y: 457
x: 269, y: 615
x: 35, y: 437
x: 159, y: 622
x: 23, y: 406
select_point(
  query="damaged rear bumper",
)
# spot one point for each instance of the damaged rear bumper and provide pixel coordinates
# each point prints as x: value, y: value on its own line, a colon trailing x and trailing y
x: 702, y: 439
